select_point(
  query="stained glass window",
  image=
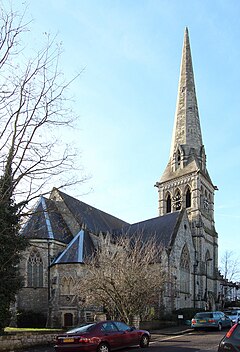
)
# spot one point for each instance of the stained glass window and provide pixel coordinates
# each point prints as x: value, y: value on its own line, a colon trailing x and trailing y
x: 35, y: 270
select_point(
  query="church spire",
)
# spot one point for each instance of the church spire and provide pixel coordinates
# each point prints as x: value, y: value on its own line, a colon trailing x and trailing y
x: 187, y: 130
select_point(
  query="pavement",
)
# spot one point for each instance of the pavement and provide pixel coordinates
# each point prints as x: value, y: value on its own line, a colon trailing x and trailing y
x: 172, y: 330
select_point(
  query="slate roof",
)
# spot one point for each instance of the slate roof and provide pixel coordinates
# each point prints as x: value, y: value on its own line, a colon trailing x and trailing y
x: 46, y: 223
x: 78, y: 249
x: 162, y: 228
x: 93, y: 219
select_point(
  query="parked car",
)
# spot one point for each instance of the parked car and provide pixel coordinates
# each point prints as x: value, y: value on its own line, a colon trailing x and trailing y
x: 230, y: 341
x: 101, y: 337
x: 233, y: 314
x: 203, y: 320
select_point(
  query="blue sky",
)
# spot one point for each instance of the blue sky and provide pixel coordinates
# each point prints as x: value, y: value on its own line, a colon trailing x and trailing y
x: 125, y: 98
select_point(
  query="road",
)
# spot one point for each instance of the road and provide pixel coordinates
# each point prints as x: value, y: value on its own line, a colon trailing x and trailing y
x: 201, y: 341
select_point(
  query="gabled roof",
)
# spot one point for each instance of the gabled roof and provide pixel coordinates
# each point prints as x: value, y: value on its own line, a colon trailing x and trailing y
x: 162, y: 228
x: 78, y: 249
x: 91, y: 218
x: 46, y: 223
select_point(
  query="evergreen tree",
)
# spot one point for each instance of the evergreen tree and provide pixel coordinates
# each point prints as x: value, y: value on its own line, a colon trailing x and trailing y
x: 11, y: 243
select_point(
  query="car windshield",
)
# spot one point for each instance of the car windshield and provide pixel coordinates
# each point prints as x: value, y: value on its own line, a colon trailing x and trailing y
x: 203, y: 315
x: 81, y: 329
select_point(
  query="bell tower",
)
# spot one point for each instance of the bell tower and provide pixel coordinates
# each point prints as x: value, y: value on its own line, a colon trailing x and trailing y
x: 185, y: 183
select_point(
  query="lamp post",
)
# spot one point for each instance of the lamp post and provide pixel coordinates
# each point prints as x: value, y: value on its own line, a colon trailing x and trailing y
x: 207, y: 260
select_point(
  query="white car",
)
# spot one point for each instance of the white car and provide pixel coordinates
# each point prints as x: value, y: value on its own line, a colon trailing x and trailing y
x: 233, y: 314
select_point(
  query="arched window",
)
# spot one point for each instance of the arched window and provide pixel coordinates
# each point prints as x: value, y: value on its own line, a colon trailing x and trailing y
x: 67, y: 285
x: 185, y: 270
x: 169, y: 204
x: 35, y: 270
x: 208, y: 264
x: 178, y: 157
x: 178, y: 200
x: 188, y: 198
x: 201, y: 197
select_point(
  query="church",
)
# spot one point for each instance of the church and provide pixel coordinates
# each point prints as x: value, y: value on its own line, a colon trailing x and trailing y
x: 63, y: 230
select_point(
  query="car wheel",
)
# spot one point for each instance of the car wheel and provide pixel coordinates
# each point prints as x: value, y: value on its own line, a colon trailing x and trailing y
x: 103, y: 347
x: 144, y: 342
x: 219, y: 327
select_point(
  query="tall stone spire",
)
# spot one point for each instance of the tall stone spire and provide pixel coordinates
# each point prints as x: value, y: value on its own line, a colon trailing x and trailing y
x: 187, y: 130
x: 186, y: 185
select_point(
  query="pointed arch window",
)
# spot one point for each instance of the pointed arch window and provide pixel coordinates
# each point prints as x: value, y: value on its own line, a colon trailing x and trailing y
x: 208, y: 264
x: 188, y: 198
x: 169, y: 204
x: 35, y: 270
x: 178, y: 200
x: 185, y: 270
x: 201, y: 197
x: 178, y: 157
x: 67, y: 285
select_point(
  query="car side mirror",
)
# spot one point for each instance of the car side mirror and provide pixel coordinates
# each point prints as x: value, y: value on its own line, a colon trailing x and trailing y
x: 132, y: 328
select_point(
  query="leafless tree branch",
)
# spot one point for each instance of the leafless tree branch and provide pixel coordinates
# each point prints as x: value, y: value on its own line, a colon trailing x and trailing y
x: 33, y: 106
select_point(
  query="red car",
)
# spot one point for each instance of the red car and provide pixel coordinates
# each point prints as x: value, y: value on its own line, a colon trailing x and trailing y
x: 101, y: 337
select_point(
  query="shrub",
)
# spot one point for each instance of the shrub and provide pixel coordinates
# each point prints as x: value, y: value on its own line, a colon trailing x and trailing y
x: 30, y: 319
x: 188, y: 313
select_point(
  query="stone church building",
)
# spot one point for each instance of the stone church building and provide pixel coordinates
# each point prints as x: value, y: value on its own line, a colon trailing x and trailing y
x: 63, y: 230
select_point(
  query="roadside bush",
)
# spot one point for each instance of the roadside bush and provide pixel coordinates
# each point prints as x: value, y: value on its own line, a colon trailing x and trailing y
x: 188, y: 313
x: 30, y: 319
x: 168, y: 317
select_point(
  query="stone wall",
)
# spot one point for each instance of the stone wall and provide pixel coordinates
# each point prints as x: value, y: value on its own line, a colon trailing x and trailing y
x: 12, y: 342
x: 33, y: 299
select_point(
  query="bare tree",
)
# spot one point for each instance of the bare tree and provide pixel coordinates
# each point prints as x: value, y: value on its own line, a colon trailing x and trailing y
x: 230, y: 266
x: 230, y: 274
x: 125, y: 277
x: 33, y: 105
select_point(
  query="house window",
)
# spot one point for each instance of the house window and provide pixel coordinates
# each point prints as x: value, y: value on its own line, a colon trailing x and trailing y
x: 89, y: 317
x: 169, y: 204
x: 188, y: 199
x: 35, y: 270
x: 185, y: 270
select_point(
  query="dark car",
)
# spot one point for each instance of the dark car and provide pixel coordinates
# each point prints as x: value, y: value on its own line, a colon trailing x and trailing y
x: 101, y: 337
x: 203, y: 320
x: 231, y: 341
